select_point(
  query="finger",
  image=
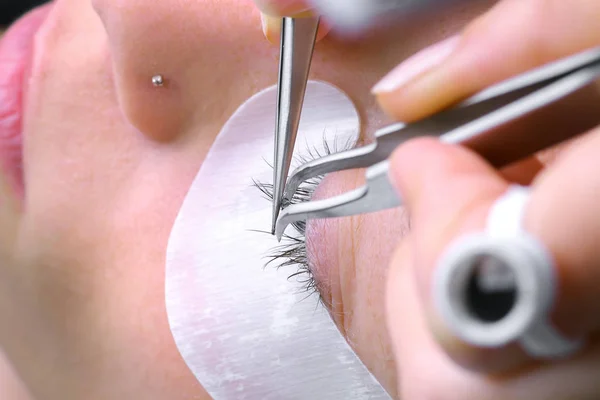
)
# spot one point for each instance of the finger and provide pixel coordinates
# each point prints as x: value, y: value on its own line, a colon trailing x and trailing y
x: 271, y: 26
x: 565, y: 215
x: 272, y: 12
x: 280, y: 8
x: 448, y: 192
x: 420, y: 362
x: 445, y: 186
x: 513, y: 37
x: 417, y: 355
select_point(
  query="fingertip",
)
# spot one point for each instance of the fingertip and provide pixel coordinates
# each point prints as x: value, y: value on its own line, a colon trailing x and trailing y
x: 415, y: 88
x: 437, y: 89
x: 498, y: 45
x: 432, y: 92
x: 407, y: 152
x: 406, y: 172
x: 281, y: 8
x: 428, y: 160
x: 271, y: 27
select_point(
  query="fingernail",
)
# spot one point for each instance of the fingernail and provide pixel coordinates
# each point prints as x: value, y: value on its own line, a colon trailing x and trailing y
x: 271, y: 27
x: 282, y: 7
x: 416, y: 65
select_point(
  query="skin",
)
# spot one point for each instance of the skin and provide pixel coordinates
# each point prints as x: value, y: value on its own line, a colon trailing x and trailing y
x: 11, y: 386
x: 108, y: 159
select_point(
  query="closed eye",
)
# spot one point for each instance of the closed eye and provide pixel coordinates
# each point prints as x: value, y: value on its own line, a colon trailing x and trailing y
x: 291, y: 253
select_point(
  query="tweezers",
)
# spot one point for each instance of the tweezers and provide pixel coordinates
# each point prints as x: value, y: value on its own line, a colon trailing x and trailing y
x: 503, y: 124
x: 298, y: 38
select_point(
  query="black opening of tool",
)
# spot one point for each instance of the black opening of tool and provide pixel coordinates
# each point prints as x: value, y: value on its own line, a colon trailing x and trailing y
x: 491, y: 290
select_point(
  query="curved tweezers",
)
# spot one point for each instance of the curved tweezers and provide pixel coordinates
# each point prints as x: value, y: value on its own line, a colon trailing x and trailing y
x: 504, y: 124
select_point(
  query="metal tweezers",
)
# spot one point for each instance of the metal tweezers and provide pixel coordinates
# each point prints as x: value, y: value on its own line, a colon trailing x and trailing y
x: 503, y: 124
x: 298, y: 38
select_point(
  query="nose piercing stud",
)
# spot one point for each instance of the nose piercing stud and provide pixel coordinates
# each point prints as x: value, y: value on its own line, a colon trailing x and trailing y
x: 158, y: 80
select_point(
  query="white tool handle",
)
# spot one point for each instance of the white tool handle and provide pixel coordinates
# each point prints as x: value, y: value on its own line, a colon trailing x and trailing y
x: 352, y: 16
x: 509, y: 269
x: 357, y: 15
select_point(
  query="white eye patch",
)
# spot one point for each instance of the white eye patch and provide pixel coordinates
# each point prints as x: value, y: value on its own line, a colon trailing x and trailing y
x: 246, y: 331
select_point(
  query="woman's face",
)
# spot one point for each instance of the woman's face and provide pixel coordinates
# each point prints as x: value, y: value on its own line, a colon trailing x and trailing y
x: 90, y: 189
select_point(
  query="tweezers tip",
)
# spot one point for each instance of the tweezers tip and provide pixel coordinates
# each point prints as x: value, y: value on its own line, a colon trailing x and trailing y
x: 279, y: 232
x: 275, y: 216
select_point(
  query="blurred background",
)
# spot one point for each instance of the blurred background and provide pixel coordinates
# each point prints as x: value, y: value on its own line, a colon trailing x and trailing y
x: 13, y: 9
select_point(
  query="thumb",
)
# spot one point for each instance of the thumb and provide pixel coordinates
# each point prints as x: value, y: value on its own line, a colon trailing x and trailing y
x: 448, y: 192
x: 282, y: 7
x: 272, y: 11
x: 511, y: 38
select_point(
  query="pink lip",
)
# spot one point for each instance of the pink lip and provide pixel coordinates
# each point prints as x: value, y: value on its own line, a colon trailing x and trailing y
x: 16, y: 55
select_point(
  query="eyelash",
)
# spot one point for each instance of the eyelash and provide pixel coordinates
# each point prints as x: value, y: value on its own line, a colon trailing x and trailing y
x: 292, y: 251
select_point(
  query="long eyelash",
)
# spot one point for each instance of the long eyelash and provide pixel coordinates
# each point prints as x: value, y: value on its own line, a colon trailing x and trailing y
x: 292, y: 251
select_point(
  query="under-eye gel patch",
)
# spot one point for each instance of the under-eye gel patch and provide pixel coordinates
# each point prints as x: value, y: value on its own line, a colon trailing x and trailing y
x: 246, y: 331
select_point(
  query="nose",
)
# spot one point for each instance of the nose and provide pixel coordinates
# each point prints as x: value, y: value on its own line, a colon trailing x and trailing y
x: 173, y: 59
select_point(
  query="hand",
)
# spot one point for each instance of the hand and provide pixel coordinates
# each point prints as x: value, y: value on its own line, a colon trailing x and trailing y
x: 448, y: 191
x: 273, y: 10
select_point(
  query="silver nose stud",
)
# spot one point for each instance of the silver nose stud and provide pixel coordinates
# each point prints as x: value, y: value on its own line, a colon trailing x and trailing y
x: 158, y: 80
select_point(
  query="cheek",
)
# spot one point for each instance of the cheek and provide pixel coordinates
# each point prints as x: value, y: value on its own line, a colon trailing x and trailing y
x: 350, y: 259
x: 322, y: 238
x: 199, y: 48
x: 376, y: 237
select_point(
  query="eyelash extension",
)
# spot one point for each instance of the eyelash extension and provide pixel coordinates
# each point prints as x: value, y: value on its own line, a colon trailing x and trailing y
x: 292, y: 251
